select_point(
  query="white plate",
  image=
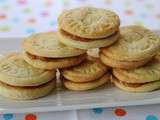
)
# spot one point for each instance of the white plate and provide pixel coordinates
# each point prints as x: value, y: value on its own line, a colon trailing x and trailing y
x: 61, y: 99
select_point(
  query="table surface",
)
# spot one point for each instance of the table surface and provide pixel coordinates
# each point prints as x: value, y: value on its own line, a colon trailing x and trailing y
x: 22, y: 18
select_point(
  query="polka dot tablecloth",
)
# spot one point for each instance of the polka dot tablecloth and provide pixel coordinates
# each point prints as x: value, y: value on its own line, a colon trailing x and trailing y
x: 151, y: 112
x: 24, y: 17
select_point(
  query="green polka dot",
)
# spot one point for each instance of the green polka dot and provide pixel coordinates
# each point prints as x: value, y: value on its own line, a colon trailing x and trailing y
x: 149, y: 6
x: 27, y: 10
x: 6, y: 7
x: 127, y: 3
x: 5, y: 28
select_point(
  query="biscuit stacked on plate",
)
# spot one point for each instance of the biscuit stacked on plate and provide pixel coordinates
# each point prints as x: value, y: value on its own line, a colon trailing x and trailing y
x: 19, y: 80
x: 88, y: 75
x: 133, y: 60
x: 130, y: 51
x: 88, y: 27
x: 44, y: 51
x: 136, y: 46
x: 143, y: 79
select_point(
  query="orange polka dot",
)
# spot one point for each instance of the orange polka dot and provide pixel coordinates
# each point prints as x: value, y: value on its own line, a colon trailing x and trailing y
x: 30, y: 117
x: 129, y: 12
x: 120, y: 112
x: 109, y: 1
x: 2, y: 17
x: 31, y: 20
x: 158, y: 16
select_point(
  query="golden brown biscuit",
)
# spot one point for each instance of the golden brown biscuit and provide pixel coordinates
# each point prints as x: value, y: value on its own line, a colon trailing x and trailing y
x: 148, y: 73
x: 89, y: 22
x: 53, y: 63
x: 86, y: 85
x: 122, y: 64
x: 15, y: 71
x: 26, y: 93
x: 83, y: 43
x: 89, y: 70
x: 48, y: 45
x: 135, y: 44
x: 147, y: 87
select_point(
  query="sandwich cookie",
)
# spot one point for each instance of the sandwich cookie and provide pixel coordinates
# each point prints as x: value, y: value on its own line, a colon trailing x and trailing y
x: 88, y: 27
x: 87, y: 85
x: 19, y: 80
x: 26, y: 93
x: 136, y: 46
x: 88, y: 75
x: 142, y: 79
x: 44, y: 51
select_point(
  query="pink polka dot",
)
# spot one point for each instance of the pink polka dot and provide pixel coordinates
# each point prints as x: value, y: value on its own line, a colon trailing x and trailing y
x: 48, y: 3
x: 21, y: 1
x: 30, y: 117
x: 44, y: 14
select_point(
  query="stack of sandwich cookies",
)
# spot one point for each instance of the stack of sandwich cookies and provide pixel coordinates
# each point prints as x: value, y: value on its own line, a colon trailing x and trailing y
x: 88, y: 75
x: 88, y: 27
x: 44, y: 51
x: 19, y: 80
x: 136, y: 46
x: 143, y: 79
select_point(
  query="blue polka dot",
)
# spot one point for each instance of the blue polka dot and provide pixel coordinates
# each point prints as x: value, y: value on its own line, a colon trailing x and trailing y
x: 8, y: 116
x: 15, y: 19
x: 151, y: 117
x: 97, y: 110
x: 30, y: 30
x: 144, y: 15
x: 3, y: 0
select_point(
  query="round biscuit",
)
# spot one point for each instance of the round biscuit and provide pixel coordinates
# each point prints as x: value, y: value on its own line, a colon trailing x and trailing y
x: 97, y: 43
x: 55, y: 63
x: 89, y: 70
x: 136, y: 43
x: 48, y: 45
x: 24, y: 93
x: 15, y: 71
x: 147, y: 73
x: 86, y: 85
x: 89, y: 22
x: 148, y: 87
x: 122, y: 64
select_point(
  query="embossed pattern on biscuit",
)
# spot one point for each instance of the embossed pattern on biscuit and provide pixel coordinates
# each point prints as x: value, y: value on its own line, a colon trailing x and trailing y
x: 135, y: 43
x: 17, y: 67
x: 45, y: 41
x: 88, y: 21
x: 16, y: 72
x: 88, y: 67
x: 48, y: 45
x: 147, y: 73
x: 86, y: 71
